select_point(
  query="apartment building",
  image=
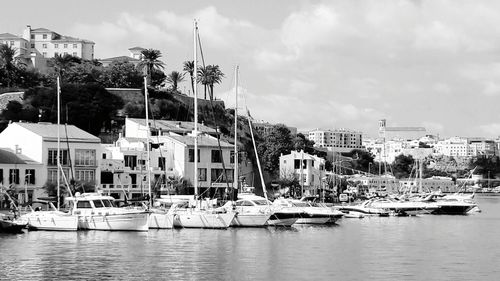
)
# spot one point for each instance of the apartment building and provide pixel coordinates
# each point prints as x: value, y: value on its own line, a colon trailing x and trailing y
x: 339, y: 140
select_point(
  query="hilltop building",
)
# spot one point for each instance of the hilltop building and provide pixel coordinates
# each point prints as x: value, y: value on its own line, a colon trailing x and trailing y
x: 134, y: 57
x: 37, y: 45
x: 406, y: 133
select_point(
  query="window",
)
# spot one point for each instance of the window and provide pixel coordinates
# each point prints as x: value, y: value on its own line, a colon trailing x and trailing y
x: 83, y: 205
x: 44, y: 46
x: 217, y: 175
x: 231, y: 157
x: 104, y: 156
x: 161, y: 163
x: 32, y: 45
x: 64, y: 157
x: 130, y: 161
x: 65, y: 46
x: 191, y: 155
x: 85, y: 157
x: 216, y: 156
x: 30, y: 176
x: 74, y: 46
x: 44, y: 54
x: 56, y: 46
x: 32, y: 36
x: 202, y: 174
x: 74, y: 54
x: 56, y: 53
x: 52, y: 175
x: 98, y: 203
x: 85, y: 175
x: 13, y: 176
x: 45, y: 36
x: 11, y: 43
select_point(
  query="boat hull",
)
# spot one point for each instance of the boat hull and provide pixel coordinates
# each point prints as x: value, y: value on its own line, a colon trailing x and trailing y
x: 8, y: 226
x: 453, y: 209
x: 250, y: 220
x: 51, y: 221
x: 119, y: 222
x: 202, y: 219
x: 161, y: 220
x: 280, y: 218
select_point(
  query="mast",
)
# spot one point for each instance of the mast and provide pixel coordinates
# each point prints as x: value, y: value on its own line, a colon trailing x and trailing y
x: 146, y: 102
x: 58, y: 141
x: 257, y: 159
x: 195, y: 33
x: 235, y: 185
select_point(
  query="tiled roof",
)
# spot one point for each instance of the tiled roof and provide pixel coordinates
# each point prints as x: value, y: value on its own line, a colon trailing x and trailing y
x: 203, y: 141
x: 64, y: 38
x: 49, y: 132
x: 9, y: 36
x: 8, y: 157
x: 136, y: 48
x: 40, y: 30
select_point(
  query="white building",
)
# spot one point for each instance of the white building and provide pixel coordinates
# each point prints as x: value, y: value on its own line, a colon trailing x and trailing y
x: 308, y: 169
x: 339, y: 140
x: 466, y: 147
x: 377, y: 183
x: 37, y: 45
x: 38, y: 142
x: 21, y: 173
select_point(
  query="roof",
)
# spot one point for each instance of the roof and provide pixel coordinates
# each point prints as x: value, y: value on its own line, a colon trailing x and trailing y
x: 136, y: 48
x: 203, y: 140
x: 37, y: 30
x: 48, y: 131
x: 9, y: 36
x: 120, y: 58
x: 404, y: 129
x: 64, y: 38
x: 7, y: 156
x: 181, y: 127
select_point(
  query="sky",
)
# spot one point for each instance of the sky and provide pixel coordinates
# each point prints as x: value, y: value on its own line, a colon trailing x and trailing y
x: 312, y: 64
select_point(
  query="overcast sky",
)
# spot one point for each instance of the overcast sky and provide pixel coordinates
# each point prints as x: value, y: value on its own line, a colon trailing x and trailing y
x: 313, y: 64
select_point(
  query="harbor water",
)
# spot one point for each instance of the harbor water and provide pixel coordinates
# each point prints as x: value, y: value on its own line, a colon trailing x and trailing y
x: 428, y: 247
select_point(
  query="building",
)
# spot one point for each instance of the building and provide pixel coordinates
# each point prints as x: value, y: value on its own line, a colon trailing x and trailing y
x: 308, y: 169
x: 435, y: 183
x: 19, y: 172
x: 79, y: 152
x: 264, y: 128
x: 466, y: 147
x: 134, y: 57
x: 385, y: 182
x: 336, y: 141
x: 37, y: 45
x: 406, y: 133
x: 136, y: 128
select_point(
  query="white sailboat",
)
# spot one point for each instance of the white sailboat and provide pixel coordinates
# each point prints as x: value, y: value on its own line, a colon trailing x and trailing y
x: 53, y: 218
x: 200, y: 215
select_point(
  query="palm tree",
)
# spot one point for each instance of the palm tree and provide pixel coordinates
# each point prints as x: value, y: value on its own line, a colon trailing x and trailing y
x: 208, y: 76
x: 7, y: 54
x: 150, y: 60
x: 174, y: 78
x: 189, y: 68
x: 62, y: 63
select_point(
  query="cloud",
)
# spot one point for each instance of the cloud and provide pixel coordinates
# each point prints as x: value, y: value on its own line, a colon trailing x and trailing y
x: 491, y: 130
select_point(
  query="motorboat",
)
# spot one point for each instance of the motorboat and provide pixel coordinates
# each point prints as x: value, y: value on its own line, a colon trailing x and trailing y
x: 251, y: 211
x: 403, y: 208
x: 98, y: 212
x: 10, y: 225
x: 451, y: 205
x: 362, y: 210
x: 49, y: 218
x: 202, y: 214
x: 308, y: 214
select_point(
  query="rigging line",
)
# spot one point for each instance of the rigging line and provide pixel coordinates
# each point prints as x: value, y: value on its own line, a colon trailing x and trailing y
x: 215, y: 122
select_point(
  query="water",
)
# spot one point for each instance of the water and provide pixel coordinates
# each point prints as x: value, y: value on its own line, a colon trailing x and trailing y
x: 394, y: 248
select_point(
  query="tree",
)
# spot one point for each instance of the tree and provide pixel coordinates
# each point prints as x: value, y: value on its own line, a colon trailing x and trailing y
x: 278, y: 141
x: 209, y: 76
x: 121, y: 74
x: 174, y: 78
x: 60, y: 64
x: 189, y: 68
x: 402, y: 166
x: 300, y: 142
x: 10, y: 65
x: 150, y: 61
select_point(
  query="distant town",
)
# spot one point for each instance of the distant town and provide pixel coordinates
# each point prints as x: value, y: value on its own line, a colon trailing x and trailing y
x: 107, y: 145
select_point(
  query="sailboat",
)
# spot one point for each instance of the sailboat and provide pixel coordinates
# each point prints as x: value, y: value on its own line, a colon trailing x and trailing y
x: 202, y: 214
x: 52, y: 218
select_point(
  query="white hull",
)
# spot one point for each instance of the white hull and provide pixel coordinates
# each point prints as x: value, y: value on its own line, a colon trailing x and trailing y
x: 250, y: 220
x: 321, y: 220
x: 50, y: 220
x: 203, y: 219
x: 126, y: 221
x: 281, y: 222
x: 161, y: 220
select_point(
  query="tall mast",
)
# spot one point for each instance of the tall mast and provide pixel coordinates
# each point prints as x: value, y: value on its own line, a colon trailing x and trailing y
x: 235, y: 185
x: 195, y: 63
x: 58, y: 141
x: 264, y: 189
x: 146, y: 102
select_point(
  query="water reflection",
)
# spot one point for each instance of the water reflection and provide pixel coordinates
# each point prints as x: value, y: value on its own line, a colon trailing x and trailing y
x: 392, y: 248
